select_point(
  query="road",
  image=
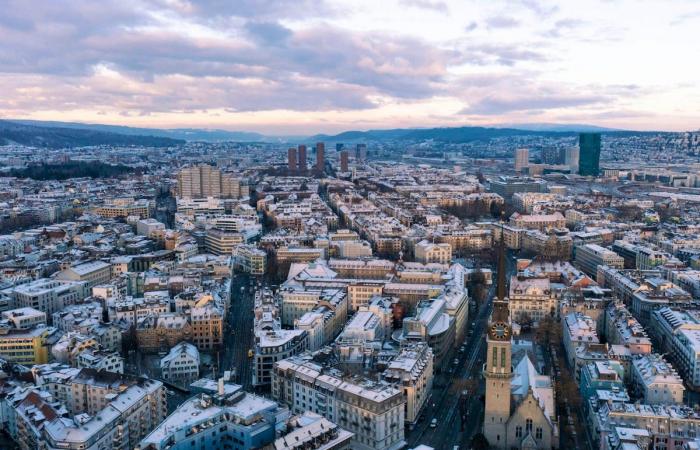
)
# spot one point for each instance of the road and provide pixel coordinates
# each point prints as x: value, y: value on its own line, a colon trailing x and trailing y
x: 447, y: 399
x: 238, y: 335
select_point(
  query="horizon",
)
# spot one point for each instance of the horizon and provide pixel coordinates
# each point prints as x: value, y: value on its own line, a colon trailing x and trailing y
x: 302, y: 68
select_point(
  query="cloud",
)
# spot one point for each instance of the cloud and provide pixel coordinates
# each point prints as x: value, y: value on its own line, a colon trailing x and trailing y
x: 502, y: 22
x: 433, y: 5
x: 499, y: 104
x: 268, y: 32
x: 687, y: 17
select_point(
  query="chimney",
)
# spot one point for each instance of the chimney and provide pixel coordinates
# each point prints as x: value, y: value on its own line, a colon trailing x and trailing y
x: 221, y: 386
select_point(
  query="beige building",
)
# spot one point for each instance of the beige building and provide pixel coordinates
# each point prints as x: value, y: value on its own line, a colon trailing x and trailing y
x: 93, y: 273
x: 220, y: 242
x: 412, y: 370
x: 541, y: 222
x: 373, y: 411
x: 249, y: 259
x: 590, y: 256
x: 531, y: 300
x: 428, y: 252
x: 204, y: 181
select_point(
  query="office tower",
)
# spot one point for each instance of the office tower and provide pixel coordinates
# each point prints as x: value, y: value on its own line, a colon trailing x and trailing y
x: 589, y: 154
x: 551, y: 155
x: 571, y: 156
x: 206, y: 181
x: 320, y: 156
x: 302, y: 158
x: 522, y: 157
x: 292, y: 159
x: 344, y: 161
x: 361, y: 152
x: 339, y: 147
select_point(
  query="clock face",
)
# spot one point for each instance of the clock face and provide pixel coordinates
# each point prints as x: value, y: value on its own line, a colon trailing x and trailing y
x: 499, y: 331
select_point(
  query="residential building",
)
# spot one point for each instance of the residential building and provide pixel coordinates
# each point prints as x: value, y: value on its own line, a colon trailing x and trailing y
x: 590, y: 256
x: 181, y: 364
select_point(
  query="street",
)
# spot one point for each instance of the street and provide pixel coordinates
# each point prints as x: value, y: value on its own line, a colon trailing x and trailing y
x: 448, y: 387
x: 238, y: 333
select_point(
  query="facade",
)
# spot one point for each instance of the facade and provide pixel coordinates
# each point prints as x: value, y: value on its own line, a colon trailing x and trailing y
x: 221, y: 242
x: 204, y: 181
x: 92, y: 273
x: 579, y: 332
x: 621, y: 328
x: 433, y: 325
x: 292, y: 159
x: 26, y: 347
x: 655, y: 381
x: 531, y: 300
x: 373, y: 412
x: 522, y: 159
x: 272, y: 346
x: 320, y: 157
x: 428, y: 252
x: 249, y: 259
x: 302, y: 161
x: 540, y: 222
x: 344, y: 161
x: 238, y: 421
x: 677, y: 333
x: 24, y: 318
x: 181, y: 364
x: 589, y: 154
x: 412, y: 370
x: 571, y: 158
x: 590, y: 256
x: 124, y: 208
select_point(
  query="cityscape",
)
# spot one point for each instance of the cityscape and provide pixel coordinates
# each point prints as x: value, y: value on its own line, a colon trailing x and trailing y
x: 212, y: 239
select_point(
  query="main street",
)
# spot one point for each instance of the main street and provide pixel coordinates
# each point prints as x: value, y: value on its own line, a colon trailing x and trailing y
x: 449, y: 386
x: 238, y: 335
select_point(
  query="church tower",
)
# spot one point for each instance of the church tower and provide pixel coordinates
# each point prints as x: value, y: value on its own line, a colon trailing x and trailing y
x: 498, y: 370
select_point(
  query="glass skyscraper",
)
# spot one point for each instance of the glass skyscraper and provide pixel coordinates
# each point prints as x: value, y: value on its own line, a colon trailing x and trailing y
x: 589, y: 154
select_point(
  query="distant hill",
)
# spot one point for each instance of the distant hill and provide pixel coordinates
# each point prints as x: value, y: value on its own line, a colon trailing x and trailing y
x: 575, y: 127
x: 62, y: 137
x: 456, y: 134
x: 187, y: 134
x: 469, y: 134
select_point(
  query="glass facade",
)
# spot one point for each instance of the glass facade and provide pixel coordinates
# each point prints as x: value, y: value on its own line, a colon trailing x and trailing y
x: 589, y: 154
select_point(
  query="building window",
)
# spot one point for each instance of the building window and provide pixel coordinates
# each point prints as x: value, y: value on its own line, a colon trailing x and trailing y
x: 503, y: 358
x: 494, y: 359
x: 528, y: 426
x: 538, y: 433
x: 518, y: 431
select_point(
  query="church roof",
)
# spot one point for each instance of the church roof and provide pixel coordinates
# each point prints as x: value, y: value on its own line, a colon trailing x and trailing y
x: 526, y: 378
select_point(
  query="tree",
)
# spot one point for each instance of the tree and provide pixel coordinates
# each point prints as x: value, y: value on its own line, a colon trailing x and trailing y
x: 479, y: 442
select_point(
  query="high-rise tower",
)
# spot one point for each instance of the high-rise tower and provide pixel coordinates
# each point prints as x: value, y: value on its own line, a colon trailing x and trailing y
x: 344, y: 161
x: 589, y: 154
x: 292, y: 159
x: 522, y: 159
x: 320, y: 157
x: 498, y: 370
x: 302, y: 158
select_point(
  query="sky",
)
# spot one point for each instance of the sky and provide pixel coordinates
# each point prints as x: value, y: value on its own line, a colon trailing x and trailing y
x: 302, y: 67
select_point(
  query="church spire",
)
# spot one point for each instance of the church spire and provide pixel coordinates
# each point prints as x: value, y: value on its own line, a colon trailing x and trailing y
x: 500, y: 303
x: 501, y: 287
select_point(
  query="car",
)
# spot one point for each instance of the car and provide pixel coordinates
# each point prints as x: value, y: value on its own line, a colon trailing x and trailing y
x: 433, y: 423
x: 455, y: 361
x: 461, y: 349
x: 250, y: 353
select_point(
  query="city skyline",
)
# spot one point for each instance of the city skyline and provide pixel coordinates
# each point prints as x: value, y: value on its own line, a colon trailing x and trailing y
x: 302, y: 68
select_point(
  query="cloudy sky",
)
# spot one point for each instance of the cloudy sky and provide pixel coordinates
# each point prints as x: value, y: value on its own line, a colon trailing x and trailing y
x: 282, y: 67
